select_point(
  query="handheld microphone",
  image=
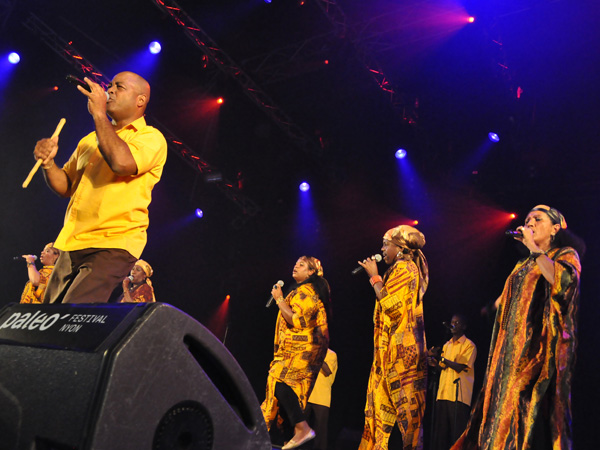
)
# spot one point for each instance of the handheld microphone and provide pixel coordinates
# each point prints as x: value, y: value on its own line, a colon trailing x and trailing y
x: 361, y: 268
x: 130, y: 278
x: 77, y: 82
x: 280, y: 283
x: 16, y: 258
x: 514, y: 233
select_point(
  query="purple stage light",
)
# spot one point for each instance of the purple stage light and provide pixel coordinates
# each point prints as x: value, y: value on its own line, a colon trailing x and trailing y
x: 199, y: 213
x: 400, y: 153
x: 304, y: 186
x: 14, y: 58
x: 154, y: 47
x: 493, y: 137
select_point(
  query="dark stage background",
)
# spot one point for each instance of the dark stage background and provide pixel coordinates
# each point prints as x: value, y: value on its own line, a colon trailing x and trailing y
x: 525, y: 69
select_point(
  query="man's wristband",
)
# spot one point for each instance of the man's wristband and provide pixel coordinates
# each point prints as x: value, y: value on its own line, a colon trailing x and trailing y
x: 30, y: 264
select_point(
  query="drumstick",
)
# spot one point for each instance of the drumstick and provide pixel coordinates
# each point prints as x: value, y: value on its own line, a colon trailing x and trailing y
x: 38, y: 163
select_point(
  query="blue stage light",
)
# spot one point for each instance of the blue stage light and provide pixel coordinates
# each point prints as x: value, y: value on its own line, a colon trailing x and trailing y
x: 14, y: 58
x: 199, y: 213
x: 304, y: 186
x: 154, y: 47
x: 493, y: 137
x: 400, y: 153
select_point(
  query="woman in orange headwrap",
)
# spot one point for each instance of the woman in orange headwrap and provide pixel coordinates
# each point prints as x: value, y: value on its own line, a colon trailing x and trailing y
x: 301, y: 342
x: 525, y: 402
x: 137, y: 287
x: 398, y: 382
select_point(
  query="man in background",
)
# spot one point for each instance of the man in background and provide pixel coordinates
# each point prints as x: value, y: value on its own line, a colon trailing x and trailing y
x: 456, y: 365
x: 319, y: 402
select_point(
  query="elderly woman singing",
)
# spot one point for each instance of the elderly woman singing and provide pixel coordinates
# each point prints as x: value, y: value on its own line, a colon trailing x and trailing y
x: 301, y: 342
x: 525, y: 402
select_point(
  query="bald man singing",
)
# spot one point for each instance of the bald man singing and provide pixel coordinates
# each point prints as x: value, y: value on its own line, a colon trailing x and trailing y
x: 109, y: 180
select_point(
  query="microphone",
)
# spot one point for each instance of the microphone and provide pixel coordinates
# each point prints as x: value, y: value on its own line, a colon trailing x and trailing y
x: 361, y: 268
x: 447, y: 325
x: 130, y: 278
x: 514, y: 233
x: 77, y: 82
x: 280, y: 283
x: 16, y: 258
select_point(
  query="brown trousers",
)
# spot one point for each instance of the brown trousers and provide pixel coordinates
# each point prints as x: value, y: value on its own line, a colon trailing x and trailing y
x: 88, y: 276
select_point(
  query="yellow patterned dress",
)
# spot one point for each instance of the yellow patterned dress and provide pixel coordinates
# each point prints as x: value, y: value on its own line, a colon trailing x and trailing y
x: 35, y: 294
x: 398, y: 381
x: 525, y: 400
x: 299, y: 349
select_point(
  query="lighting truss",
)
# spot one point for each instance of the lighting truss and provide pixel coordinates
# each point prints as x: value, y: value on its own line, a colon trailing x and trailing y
x: 67, y: 51
x: 224, y: 63
x: 338, y: 19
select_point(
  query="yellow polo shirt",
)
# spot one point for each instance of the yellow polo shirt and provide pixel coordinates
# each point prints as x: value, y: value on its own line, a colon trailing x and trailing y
x: 106, y: 210
x: 463, y: 351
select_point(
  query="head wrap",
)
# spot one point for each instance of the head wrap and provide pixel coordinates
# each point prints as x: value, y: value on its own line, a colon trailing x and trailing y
x: 407, y: 237
x: 554, y: 214
x: 314, y: 264
x: 145, y: 267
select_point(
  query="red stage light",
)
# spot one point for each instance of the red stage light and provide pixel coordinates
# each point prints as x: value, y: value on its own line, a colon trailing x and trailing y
x: 471, y: 19
x: 220, y: 100
x: 513, y: 216
x: 415, y: 222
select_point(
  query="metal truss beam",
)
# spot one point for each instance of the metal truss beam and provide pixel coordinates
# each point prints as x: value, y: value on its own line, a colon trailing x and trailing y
x: 224, y: 63
x: 67, y: 51
x: 340, y: 22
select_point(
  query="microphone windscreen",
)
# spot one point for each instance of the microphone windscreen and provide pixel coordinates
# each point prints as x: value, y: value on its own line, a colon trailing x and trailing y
x: 280, y: 283
x: 377, y: 257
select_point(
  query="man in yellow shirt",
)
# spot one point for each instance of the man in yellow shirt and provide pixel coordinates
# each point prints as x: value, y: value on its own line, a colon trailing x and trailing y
x: 109, y: 179
x: 453, y: 405
x: 317, y: 408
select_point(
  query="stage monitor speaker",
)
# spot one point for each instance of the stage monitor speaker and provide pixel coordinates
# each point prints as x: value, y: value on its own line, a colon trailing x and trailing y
x: 120, y: 376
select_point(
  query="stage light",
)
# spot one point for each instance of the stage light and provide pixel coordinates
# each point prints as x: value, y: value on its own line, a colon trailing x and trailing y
x: 154, y: 47
x: 415, y: 222
x: 220, y: 100
x: 199, y: 213
x: 268, y: 1
x: 14, y: 58
x: 304, y: 186
x: 400, y: 153
x: 493, y: 137
x: 513, y: 216
x: 471, y: 19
